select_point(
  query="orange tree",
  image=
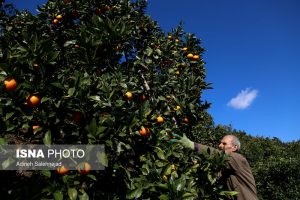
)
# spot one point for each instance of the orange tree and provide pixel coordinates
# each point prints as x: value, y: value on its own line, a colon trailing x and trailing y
x: 103, y: 72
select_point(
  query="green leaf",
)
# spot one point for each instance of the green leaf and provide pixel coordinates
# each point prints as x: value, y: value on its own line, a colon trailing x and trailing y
x: 58, y: 85
x: 58, y: 195
x: 95, y: 98
x: 47, y: 138
x: 101, y: 129
x: 3, y: 141
x: 7, y: 163
x: 70, y: 42
x: 160, y: 153
x: 72, y: 192
x: 167, y: 170
x: 163, y: 186
x: 92, y: 177
x: 149, y: 51
x: 9, y: 115
x: 84, y: 196
x: 44, y: 99
x: 228, y: 193
x: 135, y: 193
x: 145, y: 169
x: 163, y: 197
x: 188, y: 195
x: 46, y: 173
x: 102, y: 157
x: 71, y: 92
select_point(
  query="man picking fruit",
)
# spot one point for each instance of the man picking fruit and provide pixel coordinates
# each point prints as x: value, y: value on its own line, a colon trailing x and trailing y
x: 238, y: 176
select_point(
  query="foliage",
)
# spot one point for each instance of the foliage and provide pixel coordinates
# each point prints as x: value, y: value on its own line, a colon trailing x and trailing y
x: 80, y: 58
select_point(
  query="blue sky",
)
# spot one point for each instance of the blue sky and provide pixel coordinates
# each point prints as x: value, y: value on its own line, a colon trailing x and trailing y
x: 253, y: 59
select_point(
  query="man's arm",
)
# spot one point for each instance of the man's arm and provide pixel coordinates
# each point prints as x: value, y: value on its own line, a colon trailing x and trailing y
x: 199, y: 148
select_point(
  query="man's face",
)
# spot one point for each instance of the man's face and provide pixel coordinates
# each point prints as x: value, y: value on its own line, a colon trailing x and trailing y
x: 226, y: 145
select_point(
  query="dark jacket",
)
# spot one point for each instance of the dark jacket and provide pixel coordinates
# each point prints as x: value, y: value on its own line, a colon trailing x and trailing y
x: 238, y: 175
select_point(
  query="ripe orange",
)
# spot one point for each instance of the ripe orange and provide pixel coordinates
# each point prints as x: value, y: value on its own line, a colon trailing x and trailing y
x: 62, y: 170
x: 160, y: 119
x: 10, y: 85
x: 33, y: 101
x: 35, y: 127
x: 186, y: 120
x: 184, y: 49
x: 128, y: 95
x: 190, y: 55
x: 196, y: 57
x: 144, y: 132
x: 59, y: 17
x: 177, y: 72
x: 177, y: 40
x: 55, y: 21
x: 84, y: 168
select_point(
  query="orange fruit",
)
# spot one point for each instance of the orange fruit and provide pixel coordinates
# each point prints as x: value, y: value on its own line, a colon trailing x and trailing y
x: 84, y: 168
x: 62, y: 170
x: 33, y: 100
x: 143, y: 97
x: 35, y: 127
x: 177, y: 40
x: 190, y: 55
x: 98, y: 11
x: 169, y: 36
x: 196, y: 57
x: 59, y: 17
x: 77, y: 116
x: 107, y: 7
x: 10, y: 85
x: 160, y: 119
x: 128, y: 95
x: 177, y: 72
x: 144, y: 131
x: 55, y: 21
x: 36, y: 66
x: 184, y: 49
x: 186, y: 120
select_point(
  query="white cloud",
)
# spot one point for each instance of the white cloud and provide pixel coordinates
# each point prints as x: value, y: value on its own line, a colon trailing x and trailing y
x: 244, y: 99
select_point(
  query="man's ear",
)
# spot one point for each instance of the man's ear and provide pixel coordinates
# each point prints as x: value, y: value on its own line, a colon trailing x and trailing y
x: 235, y: 147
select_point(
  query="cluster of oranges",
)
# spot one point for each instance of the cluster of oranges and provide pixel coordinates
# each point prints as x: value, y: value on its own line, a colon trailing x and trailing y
x: 57, y: 19
x: 83, y: 168
x: 144, y: 131
x: 32, y: 100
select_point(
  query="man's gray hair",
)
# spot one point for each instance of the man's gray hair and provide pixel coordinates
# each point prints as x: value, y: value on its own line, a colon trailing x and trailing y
x: 235, y: 141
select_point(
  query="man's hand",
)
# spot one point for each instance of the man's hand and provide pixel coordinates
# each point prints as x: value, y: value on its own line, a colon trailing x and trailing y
x: 183, y: 140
